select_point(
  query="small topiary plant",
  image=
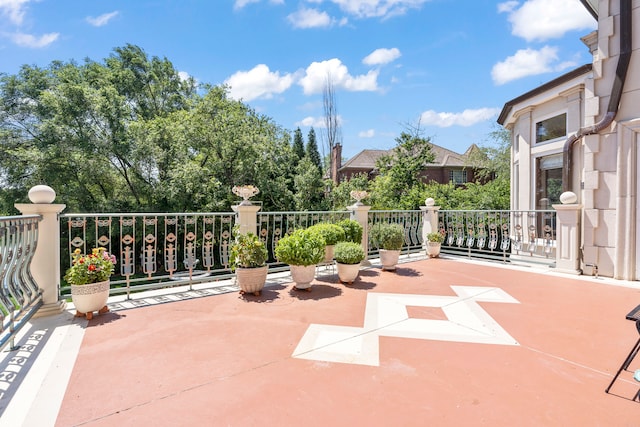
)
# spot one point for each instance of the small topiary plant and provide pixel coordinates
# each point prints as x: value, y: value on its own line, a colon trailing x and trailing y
x: 248, y: 251
x: 435, y: 237
x: 352, y: 230
x: 387, y: 236
x: 348, y: 253
x: 331, y: 233
x: 303, y: 247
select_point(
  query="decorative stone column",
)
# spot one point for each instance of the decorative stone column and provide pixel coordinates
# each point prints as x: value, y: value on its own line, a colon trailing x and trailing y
x: 246, y: 218
x: 429, y: 219
x: 360, y: 213
x: 45, y: 265
x: 246, y: 212
x: 568, y: 234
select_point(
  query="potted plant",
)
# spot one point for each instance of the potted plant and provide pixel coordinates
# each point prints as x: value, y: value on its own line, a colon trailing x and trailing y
x: 348, y: 257
x: 332, y: 234
x: 89, y: 277
x: 434, y: 241
x: 302, y: 250
x: 388, y: 238
x: 352, y: 230
x: 249, y: 260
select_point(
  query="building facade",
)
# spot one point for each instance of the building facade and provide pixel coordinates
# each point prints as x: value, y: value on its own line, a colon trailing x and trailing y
x: 581, y: 133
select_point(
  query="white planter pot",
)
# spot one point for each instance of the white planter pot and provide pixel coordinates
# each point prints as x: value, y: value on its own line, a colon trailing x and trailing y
x: 348, y: 273
x: 251, y: 280
x: 91, y: 297
x: 433, y: 249
x: 328, y: 254
x: 389, y: 259
x: 303, y: 275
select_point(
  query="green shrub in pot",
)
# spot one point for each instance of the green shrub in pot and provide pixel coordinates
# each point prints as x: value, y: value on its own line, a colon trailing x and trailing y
x: 387, y: 236
x: 302, y: 247
x: 352, y: 230
x: 348, y: 253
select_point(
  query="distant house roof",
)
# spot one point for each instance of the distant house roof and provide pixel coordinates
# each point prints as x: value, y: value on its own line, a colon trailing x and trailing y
x: 366, y: 159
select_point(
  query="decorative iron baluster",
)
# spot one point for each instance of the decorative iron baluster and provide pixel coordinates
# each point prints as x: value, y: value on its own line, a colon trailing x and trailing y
x: 150, y: 251
x: 493, y: 236
x: 547, y: 241
x: 532, y: 239
x: 127, y: 250
x: 208, y: 241
x: 225, y: 237
x: 481, y: 231
x: 504, y: 244
x: 77, y: 242
x: 103, y: 239
x: 189, y: 246
x: 170, y: 245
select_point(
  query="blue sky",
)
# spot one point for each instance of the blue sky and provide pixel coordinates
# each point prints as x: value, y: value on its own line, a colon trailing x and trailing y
x: 449, y: 65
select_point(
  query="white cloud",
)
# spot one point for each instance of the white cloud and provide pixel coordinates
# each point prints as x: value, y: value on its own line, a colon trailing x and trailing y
x: 14, y: 10
x: 317, y: 73
x: 29, y: 40
x: 528, y: 62
x: 465, y: 118
x: 239, y: 4
x: 259, y: 82
x: 310, y: 18
x: 316, y: 122
x: 369, y: 133
x: 377, y: 8
x: 382, y: 56
x: 101, y: 20
x: 540, y: 20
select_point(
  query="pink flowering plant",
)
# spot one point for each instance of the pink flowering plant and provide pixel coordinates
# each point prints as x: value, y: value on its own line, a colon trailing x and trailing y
x: 95, y: 267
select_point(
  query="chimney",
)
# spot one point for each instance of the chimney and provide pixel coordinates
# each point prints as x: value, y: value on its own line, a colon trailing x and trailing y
x: 336, y: 162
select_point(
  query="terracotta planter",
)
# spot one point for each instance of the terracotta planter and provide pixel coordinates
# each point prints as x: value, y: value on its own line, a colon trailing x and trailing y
x: 348, y: 273
x: 389, y: 259
x: 328, y: 254
x: 251, y: 280
x: 303, y: 276
x: 433, y: 249
x: 90, y: 297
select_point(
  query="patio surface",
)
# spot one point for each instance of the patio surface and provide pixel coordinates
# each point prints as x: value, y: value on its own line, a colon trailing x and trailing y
x: 438, y: 342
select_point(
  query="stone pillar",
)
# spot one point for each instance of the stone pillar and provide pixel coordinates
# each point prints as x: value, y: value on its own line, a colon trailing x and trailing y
x: 246, y: 217
x: 429, y: 219
x: 360, y: 213
x: 45, y: 266
x: 568, y: 234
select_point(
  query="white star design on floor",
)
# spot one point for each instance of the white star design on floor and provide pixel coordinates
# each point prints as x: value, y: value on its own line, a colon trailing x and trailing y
x: 386, y: 315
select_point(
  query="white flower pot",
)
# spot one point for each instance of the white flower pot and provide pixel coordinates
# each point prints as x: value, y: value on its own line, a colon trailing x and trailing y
x: 433, y: 249
x: 389, y: 259
x: 90, y: 297
x: 348, y: 273
x: 328, y: 254
x: 303, y: 275
x: 251, y: 280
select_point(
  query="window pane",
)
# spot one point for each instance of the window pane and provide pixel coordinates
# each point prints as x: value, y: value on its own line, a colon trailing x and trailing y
x: 555, y: 127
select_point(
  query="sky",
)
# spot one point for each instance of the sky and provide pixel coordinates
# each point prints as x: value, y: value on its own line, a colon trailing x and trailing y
x: 446, y: 67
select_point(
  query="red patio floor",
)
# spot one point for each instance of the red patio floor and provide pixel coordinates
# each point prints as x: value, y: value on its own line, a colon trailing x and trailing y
x: 226, y: 360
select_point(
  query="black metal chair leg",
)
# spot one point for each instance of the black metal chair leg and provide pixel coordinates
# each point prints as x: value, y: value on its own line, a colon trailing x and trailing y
x: 625, y: 364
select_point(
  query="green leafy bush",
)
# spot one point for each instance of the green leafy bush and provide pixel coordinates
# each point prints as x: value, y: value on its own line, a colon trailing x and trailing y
x: 352, y: 230
x: 302, y: 247
x: 348, y: 253
x: 435, y: 237
x: 331, y: 233
x: 387, y: 236
x: 248, y: 251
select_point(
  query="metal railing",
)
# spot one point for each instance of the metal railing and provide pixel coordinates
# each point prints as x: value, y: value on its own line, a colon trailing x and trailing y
x: 154, y: 250
x: 159, y: 250
x: 20, y: 296
x: 411, y: 221
x: 525, y: 236
x: 274, y: 225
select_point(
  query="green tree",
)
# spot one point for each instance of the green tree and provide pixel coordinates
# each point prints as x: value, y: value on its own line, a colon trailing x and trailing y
x: 400, y: 171
x: 298, y: 145
x: 309, y: 191
x: 311, y: 150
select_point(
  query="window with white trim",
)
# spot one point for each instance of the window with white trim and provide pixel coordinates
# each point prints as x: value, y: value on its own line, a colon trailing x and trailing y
x: 551, y: 128
x: 458, y: 176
